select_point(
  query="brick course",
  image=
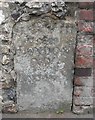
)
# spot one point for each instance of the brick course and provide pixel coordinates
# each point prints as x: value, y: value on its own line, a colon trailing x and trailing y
x: 83, y: 80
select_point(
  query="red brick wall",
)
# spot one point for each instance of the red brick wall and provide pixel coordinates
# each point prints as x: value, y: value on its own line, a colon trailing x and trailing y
x: 83, y: 79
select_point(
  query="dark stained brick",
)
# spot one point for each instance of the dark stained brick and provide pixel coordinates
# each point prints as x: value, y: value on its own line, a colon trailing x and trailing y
x: 83, y: 72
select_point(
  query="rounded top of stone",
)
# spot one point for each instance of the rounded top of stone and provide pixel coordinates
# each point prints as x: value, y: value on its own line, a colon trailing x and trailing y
x: 32, y: 7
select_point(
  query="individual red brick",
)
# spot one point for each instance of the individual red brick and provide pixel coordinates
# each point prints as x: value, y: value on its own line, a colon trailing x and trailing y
x: 83, y: 81
x: 84, y: 61
x: 87, y: 15
x: 86, y: 4
x: 87, y: 27
x: 83, y: 91
x: 84, y: 50
x: 83, y: 100
x: 85, y: 40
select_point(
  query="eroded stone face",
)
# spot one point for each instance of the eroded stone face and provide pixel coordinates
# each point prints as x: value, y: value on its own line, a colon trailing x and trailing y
x: 44, y: 63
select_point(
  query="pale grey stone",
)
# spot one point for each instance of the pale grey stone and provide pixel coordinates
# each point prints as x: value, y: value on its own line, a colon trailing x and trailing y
x: 44, y: 71
x: 5, y: 60
x: 5, y: 49
x: 2, y: 17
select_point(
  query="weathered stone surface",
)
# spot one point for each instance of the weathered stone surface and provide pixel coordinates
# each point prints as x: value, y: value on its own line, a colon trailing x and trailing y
x: 44, y: 70
x: 44, y: 57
